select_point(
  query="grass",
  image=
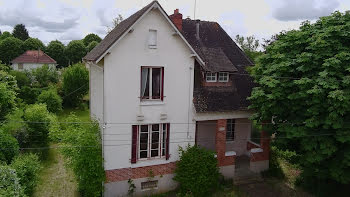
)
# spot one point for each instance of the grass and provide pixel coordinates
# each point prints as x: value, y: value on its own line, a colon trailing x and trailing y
x: 55, y: 178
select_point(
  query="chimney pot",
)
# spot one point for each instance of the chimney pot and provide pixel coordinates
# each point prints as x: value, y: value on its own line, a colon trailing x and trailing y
x: 176, y: 11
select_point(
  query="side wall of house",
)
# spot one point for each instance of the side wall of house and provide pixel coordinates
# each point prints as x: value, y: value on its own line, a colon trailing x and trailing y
x: 122, y: 81
x: 96, y: 92
x: 30, y: 66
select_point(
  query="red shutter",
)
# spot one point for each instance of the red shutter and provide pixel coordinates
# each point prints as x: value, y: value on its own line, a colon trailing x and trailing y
x: 167, y: 155
x: 162, y: 90
x: 134, y: 144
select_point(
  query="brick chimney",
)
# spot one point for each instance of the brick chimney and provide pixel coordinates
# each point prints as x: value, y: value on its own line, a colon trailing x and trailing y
x: 177, y: 19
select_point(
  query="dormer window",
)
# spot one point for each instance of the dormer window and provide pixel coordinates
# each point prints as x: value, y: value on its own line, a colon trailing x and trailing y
x: 223, y: 77
x: 152, y: 39
x: 210, y: 77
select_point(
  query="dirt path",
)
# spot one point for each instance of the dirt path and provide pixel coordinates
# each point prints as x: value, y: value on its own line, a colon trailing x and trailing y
x: 55, y: 179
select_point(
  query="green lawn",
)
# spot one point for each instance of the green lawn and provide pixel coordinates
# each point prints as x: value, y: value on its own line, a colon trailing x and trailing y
x: 84, y: 115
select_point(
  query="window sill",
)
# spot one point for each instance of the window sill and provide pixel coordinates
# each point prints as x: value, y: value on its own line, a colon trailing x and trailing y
x: 151, y: 102
x: 230, y: 141
x: 152, y: 47
x: 150, y: 159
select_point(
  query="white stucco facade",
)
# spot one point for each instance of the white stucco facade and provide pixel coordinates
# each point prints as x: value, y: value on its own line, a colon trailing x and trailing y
x: 30, y: 66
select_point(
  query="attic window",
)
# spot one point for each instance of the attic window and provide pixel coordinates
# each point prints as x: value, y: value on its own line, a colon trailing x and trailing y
x: 223, y: 77
x: 152, y: 39
x: 210, y: 77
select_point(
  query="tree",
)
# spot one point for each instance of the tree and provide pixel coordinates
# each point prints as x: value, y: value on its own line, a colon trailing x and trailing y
x: 304, y: 86
x: 5, y: 35
x: 115, y: 22
x: 56, y: 49
x: 33, y: 44
x: 20, y: 32
x: 52, y: 100
x: 91, y: 37
x: 7, y: 99
x: 75, y: 51
x: 75, y: 84
x: 9, y: 184
x: 249, y: 45
x: 91, y: 46
x: 45, y: 75
x: 10, y: 48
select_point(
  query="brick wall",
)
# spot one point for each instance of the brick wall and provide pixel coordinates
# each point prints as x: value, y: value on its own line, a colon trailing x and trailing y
x: 251, y: 145
x: 265, y: 145
x: 220, y: 144
x: 140, y: 172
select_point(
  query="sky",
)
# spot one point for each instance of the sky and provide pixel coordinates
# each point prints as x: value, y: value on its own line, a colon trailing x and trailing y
x: 67, y: 20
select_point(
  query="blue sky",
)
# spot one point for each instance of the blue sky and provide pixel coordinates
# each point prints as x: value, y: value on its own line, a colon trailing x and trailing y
x: 67, y: 20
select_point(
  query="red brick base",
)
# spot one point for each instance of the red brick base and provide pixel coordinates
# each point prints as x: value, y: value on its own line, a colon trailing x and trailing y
x: 140, y: 172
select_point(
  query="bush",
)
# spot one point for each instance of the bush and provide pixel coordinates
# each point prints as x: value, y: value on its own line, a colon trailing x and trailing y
x: 197, y: 171
x: 86, y: 161
x: 29, y: 94
x: 75, y: 84
x: 9, y: 183
x: 27, y: 167
x: 38, y: 125
x: 7, y: 100
x: 22, y: 78
x: 16, y: 127
x: 52, y: 100
x: 45, y: 76
x: 9, y: 147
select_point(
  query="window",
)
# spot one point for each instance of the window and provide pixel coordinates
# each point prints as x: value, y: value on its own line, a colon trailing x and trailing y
x: 230, y: 130
x: 149, y: 185
x: 152, y: 39
x: 211, y: 77
x: 20, y: 66
x: 152, y: 141
x: 223, y: 77
x: 152, y: 83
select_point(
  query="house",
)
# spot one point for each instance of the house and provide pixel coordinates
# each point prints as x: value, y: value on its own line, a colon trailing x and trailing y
x: 158, y: 82
x: 32, y: 59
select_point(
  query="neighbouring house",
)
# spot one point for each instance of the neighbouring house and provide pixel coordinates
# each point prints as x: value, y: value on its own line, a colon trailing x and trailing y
x: 158, y: 82
x: 32, y: 59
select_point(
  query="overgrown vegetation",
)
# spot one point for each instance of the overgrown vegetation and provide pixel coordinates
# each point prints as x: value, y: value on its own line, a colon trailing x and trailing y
x: 9, y: 184
x: 196, y: 171
x: 304, y: 79
x: 83, y: 153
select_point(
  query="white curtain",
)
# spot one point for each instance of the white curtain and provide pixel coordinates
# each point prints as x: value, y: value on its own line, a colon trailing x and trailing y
x: 144, y: 78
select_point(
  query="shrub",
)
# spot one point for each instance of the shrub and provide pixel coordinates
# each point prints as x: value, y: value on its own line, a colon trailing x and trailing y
x: 52, y: 100
x: 197, y: 171
x: 16, y: 127
x: 45, y: 75
x: 29, y: 94
x: 22, y: 78
x: 75, y: 84
x: 9, y: 183
x: 7, y: 100
x: 27, y: 167
x: 38, y: 124
x: 8, y: 147
x: 86, y: 161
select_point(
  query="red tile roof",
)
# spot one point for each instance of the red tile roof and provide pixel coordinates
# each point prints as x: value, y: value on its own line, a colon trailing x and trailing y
x: 36, y: 56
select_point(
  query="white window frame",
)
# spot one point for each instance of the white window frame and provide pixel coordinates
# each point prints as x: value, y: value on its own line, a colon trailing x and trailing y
x: 210, y: 77
x: 223, y: 78
x: 150, y: 96
x: 151, y: 45
x: 149, y: 142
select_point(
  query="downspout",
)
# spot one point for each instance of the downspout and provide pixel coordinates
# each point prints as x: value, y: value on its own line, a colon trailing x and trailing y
x: 189, y: 103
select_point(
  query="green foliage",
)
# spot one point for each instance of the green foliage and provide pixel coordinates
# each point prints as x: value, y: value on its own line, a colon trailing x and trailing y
x: 75, y: 84
x: 10, y: 48
x: 91, y: 46
x: 20, y: 32
x: 9, y: 184
x: 52, y: 100
x: 90, y: 38
x: 10, y: 80
x: 33, y: 44
x: 75, y: 51
x: 16, y: 127
x: 29, y: 94
x: 56, y: 49
x: 86, y: 161
x: 8, y: 147
x: 197, y: 171
x: 303, y: 80
x: 45, y: 75
x: 27, y: 167
x: 22, y: 78
x: 38, y: 124
x: 249, y: 45
x: 5, y: 35
x: 7, y: 99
